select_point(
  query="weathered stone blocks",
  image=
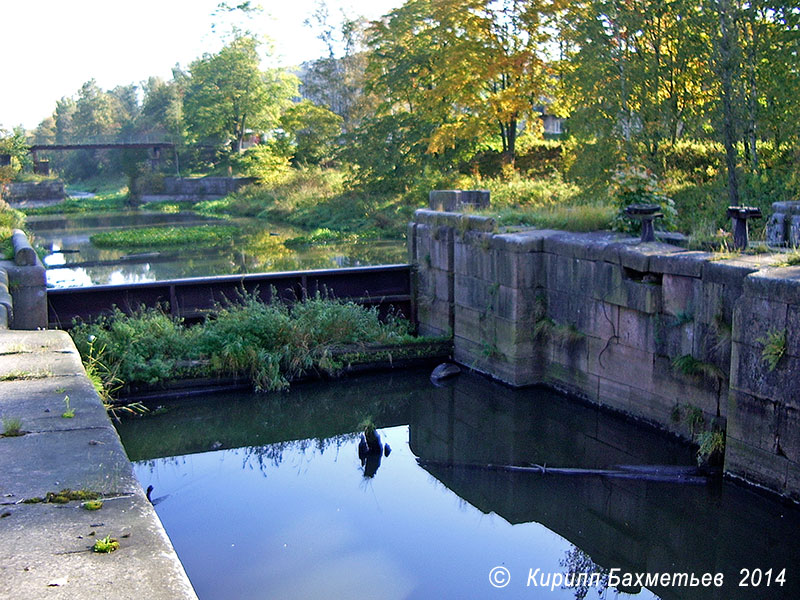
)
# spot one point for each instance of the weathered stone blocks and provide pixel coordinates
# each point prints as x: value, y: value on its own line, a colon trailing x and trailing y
x: 612, y: 317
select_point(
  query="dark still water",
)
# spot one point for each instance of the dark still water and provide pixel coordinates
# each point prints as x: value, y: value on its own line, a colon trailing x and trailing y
x: 264, y: 496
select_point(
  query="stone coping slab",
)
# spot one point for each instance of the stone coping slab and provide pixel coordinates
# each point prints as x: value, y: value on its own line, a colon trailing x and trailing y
x: 45, y: 548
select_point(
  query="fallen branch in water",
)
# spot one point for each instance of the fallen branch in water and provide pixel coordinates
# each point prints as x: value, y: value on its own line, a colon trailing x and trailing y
x: 658, y: 473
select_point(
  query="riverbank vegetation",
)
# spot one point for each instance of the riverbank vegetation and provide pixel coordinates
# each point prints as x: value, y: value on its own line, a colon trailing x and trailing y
x: 166, y: 237
x: 556, y: 109
x: 270, y: 343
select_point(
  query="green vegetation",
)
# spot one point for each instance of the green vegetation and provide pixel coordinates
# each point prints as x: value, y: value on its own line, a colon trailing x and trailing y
x: 10, y: 219
x: 789, y: 260
x: 105, y: 545
x: 20, y: 375
x: 689, y: 365
x: 165, y: 237
x: 694, y: 419
x: 12, y: 427
x: 270, y: 343
x: 64, y: 496
x: 326, y: 236
x: 567, y: 333
x: 661, y: 118
x: 69, y: 413
x: 93, y: 505
x: 711, y: 447
x: 116, y: 200
x: 774, y: 347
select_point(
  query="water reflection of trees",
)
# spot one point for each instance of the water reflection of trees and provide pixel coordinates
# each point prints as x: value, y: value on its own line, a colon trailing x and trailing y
x: 580, y: 565
x: 258, y: 248
x: 272, y: 455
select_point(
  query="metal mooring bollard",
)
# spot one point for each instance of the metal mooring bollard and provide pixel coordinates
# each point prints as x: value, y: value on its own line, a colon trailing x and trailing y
x: 646, y: 213
x: 740, y: 216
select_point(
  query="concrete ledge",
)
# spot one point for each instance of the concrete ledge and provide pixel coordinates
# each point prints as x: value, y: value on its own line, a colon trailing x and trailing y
x: 43, y: 544
x: 781, y: 284
x: 459, y: 221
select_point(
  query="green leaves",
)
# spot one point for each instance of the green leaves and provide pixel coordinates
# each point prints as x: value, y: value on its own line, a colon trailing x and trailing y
x: 227, y: 94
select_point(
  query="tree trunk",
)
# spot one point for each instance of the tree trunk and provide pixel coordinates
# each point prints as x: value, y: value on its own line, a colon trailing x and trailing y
x: 726, y: 68
x: 752, y: 98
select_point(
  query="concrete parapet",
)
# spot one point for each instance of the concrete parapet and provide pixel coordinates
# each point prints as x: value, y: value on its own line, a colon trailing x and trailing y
x: 24, y: 254
x: 652, y: 330
x: 24, y: 281
x: 45, y: 549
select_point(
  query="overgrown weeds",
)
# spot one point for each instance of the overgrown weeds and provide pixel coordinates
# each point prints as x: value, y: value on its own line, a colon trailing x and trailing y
x: 12, y: 427
x: 269, y: 342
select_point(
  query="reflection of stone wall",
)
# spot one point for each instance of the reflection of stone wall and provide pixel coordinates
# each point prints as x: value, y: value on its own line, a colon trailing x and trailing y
x: 636, y: 526
x: 605, y: 318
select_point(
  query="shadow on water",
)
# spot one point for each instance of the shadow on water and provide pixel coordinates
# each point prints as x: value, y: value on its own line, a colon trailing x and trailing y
x: 634, y: 526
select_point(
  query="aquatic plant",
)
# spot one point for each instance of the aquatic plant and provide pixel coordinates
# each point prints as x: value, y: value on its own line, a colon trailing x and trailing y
x: 160, y: 237
x: 269, y: 342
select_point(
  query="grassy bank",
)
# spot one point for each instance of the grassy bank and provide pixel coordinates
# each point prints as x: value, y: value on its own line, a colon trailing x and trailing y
x: 270, y: 343
x: 116, y: 200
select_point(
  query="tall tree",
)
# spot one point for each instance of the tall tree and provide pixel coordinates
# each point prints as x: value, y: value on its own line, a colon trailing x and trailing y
x: 228, y: 94
x: 474, y: 68
x: 727, y: 66
x: 337, y: 80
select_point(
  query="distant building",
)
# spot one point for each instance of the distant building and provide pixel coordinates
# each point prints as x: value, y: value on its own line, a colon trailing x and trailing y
x: 552, y: 124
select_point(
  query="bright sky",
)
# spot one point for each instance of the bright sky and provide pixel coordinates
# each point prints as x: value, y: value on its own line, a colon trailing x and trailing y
x: 51, y: 47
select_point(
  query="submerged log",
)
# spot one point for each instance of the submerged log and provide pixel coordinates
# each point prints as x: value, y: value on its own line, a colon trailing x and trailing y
x: 659, y: 473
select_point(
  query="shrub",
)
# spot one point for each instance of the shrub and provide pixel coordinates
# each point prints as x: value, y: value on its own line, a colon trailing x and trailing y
x: 269, y: 342
x: 636, y: 185
x: 143, y: 347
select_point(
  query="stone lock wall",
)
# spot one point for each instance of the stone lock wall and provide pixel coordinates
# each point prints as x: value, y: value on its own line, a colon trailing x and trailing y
x: 193, y: 189
x: 663, y: 334
x: 31, y: 193
x: 23, y: 287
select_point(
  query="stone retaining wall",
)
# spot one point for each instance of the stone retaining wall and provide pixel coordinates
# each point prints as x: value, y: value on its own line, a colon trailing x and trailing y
x: 194, y: 188
x: 23, y: 288
x: 23, y: 194
x: 606, y: 318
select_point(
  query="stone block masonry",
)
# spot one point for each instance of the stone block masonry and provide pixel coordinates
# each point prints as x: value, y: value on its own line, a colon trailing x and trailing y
x: 677, y: 338
x: 23, y: 288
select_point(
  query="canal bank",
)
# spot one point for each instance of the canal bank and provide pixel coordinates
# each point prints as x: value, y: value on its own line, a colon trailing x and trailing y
x: 695, y: 343
x: 46, y: 546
